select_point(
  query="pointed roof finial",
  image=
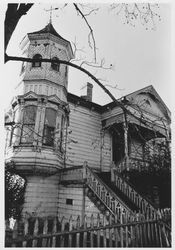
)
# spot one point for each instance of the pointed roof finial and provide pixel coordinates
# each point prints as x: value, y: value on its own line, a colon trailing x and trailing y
x: 51, y: 9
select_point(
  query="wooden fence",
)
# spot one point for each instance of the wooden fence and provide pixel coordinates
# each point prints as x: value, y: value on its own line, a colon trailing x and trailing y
x: 133, y: 231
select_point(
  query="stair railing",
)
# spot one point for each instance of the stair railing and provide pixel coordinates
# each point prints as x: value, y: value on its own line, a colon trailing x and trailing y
x: 144, y: 205
x: 113, y: 203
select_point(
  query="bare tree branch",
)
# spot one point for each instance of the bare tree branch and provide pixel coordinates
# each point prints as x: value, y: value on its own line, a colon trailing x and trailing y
x: 91, y: 34
x: 13, y: 14
x: 120, y: 104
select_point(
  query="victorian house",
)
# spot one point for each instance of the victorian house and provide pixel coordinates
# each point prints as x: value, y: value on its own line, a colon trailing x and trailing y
x: 71, y: 151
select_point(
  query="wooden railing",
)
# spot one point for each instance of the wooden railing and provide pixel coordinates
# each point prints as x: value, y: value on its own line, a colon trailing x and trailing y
x: 57, y: 232
x: 113, y: 203
x: 144, y: 205
x: 134, y: 164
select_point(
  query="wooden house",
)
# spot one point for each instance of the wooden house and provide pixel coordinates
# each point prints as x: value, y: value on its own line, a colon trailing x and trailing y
x: 70, y: 150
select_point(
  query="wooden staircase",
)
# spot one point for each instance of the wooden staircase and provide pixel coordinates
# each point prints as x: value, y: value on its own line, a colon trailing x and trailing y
x: 115, y: 196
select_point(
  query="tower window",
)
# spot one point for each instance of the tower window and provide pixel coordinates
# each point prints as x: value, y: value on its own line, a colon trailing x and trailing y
x: 37, y: 63
x: 66, y: 71
x: 49, y: 127
x: 55, y: 64
x: 28, y: 125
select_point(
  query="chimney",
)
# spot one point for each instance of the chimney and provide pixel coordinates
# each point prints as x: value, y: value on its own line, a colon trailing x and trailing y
x: 89, y: 91
x: 88, y: 96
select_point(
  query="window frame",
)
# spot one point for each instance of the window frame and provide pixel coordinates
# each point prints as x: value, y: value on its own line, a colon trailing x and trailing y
x: 52, y: 129
x: 30, y: 125
x: 55, y: 65
x: 36, y: 64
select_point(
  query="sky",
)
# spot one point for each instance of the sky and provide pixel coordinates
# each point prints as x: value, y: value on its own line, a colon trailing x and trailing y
x: 139, y: 56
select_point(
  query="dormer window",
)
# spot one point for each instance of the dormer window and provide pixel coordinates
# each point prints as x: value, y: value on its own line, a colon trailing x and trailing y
x: 55, y: 64
x: 37, y: 63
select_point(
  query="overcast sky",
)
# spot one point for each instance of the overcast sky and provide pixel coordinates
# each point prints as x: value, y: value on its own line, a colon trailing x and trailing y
x: 139, y: 57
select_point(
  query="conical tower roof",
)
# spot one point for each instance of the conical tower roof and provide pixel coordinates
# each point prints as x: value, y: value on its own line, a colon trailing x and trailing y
x: 49, y: 32
x: 48, y: 29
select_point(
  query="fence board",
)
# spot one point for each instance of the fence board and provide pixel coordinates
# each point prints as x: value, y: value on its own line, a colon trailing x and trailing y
x: 78, y: 234
x: 35, y: 241
x: 98, y: 231
x: 26, y: 227
x: 132, y: 231
x: 92, y: 232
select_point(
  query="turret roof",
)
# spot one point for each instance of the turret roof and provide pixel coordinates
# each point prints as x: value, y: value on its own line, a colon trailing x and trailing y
x: 49, y: 29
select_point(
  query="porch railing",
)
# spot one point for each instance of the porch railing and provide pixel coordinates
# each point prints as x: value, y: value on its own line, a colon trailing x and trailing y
x: 134, y: 164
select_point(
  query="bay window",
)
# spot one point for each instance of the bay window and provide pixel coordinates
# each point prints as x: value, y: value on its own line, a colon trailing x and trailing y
x: 49, y: 127
x: 28, y: 124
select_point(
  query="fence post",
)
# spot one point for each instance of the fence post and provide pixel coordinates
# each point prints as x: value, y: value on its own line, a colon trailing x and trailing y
x: 85, y: 233
x: 34, y: 243
x: 54, y: 231
x: 104, y: 232
x: 121, y: 228
x: 70, y: 235
x: 26, y: 226
x: 92, y: 232
x: 62, y: 230
x: 45, y: 229
x: 98, y: 231
x: 78, y: 234
x: 15, y: 233
x: 116, y: 235
x: 110, y: 231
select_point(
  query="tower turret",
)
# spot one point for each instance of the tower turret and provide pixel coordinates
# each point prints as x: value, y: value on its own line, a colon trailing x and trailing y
x: 40, y: 77
x: 40, y: 116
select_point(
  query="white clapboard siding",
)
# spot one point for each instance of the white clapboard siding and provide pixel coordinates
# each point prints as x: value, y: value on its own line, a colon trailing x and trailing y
x: 41, y: 195
x: 76, y: 194
x: 111, y: 112
x: 85, y: 126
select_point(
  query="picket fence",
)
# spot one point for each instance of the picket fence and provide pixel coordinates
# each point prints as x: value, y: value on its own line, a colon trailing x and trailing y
x: 132, y: 231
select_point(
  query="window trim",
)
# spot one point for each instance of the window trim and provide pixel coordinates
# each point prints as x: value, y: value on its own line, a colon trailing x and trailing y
x: 55, y: 65
x: 32, y: 125
x: 36, y: 64
x: 45, y: 127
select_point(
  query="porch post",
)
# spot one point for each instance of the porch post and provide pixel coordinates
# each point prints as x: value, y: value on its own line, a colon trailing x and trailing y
x: 125, y: 125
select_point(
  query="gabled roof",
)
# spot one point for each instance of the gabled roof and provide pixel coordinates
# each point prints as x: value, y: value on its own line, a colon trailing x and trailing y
x: 149, y: 90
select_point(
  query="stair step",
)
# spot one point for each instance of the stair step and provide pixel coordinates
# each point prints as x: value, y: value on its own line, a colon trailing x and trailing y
x: 106, y: 178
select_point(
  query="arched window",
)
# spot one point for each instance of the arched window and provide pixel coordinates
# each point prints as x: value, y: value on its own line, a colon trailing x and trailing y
x: 55, y: 64
x: 49, y: 127
x: 28, y: 125
x: 37, y: 63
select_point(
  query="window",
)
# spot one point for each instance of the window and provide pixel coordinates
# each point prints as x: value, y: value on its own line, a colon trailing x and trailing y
x: 23, y: 66
x: 28, y: 125
x: 55, y: 65
x: 62, y: 132
x: 66, y: 71
x: 69, y: 201
x: 37, y: 64
x: 49, y: 127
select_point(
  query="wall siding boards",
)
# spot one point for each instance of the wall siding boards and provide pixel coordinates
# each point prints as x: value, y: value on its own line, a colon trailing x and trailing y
x: 77, y: 208
x: 83, y: 150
